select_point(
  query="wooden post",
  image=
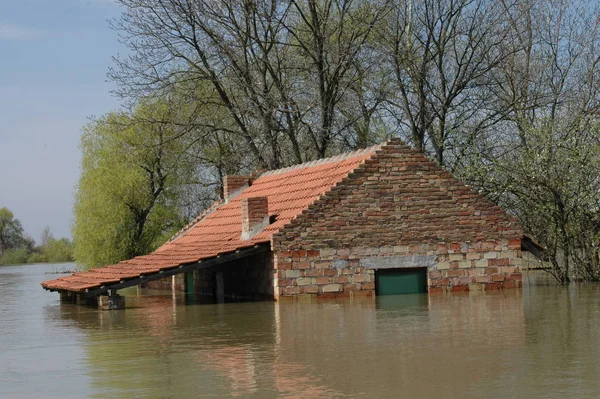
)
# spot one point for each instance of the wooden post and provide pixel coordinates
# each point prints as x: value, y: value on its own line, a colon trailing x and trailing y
x: 220, y: 287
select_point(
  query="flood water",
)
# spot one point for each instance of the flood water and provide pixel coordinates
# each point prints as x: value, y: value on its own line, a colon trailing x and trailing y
x: 543, y: 342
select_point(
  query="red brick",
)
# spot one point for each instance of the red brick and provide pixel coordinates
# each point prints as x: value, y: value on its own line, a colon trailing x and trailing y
x: 514, y: 244
x: 367, y: 286
x: 313, y: 272
x: 300, y: 265
x: 299, y: 254
x: 310, y: 289
x: 515, y: 276
x: 500, y: 262
x: 509, y: 284
x: 350, y: 287
x: 460, y: 288
x: 340, y: 279
x: 284, y: 266
x: 493, y: 286
x: 364, y: 293
x: 435, y: 290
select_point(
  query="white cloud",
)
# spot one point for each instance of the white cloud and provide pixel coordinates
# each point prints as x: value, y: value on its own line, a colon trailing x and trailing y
x: 15, y: 32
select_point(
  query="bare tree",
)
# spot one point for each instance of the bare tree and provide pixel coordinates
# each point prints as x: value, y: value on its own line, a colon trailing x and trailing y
x: 441, y: 54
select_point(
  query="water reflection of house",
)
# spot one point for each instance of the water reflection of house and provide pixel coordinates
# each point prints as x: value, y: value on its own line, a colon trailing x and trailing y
x: 385, y: 219
x: 432, y: 346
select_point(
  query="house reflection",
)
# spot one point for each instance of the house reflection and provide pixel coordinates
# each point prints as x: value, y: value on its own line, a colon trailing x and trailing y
x: 163, y: 348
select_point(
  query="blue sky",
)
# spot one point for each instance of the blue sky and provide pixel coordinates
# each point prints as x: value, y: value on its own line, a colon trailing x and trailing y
x: 54, y: 56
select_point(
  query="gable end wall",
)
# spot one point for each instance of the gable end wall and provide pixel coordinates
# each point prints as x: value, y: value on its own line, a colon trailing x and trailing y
x: 398, y: 209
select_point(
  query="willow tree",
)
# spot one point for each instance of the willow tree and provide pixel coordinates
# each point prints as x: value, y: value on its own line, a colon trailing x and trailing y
x: 135, y: 169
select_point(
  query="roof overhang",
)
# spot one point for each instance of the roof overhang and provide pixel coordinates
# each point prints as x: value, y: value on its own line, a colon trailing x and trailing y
x: 527, y: 244
x: 184, y: 268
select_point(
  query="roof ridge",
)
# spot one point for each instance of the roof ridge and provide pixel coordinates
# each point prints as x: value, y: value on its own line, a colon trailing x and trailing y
x: 334, y: 158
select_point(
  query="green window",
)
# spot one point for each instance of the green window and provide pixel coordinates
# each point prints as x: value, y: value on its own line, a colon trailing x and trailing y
x: 401, y: 281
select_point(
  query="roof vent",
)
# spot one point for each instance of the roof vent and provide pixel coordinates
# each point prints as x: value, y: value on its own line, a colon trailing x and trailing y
x: 234, y: 185
x: 255, y: 216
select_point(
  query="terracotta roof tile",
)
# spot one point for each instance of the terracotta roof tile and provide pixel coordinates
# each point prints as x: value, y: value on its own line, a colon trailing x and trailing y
x: 218, y: 230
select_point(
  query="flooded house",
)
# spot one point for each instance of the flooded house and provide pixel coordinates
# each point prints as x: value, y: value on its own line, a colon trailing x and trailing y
x: 383, y: 220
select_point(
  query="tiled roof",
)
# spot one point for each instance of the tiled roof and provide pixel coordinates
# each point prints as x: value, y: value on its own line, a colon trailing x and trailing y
x: 218, y: 230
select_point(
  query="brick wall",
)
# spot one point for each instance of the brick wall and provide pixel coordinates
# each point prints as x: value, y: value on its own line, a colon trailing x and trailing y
x: 398, y: 209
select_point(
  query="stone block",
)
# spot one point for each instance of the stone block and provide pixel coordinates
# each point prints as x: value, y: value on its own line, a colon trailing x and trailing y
x: 311, y: 289
x: 113, y: 302
x: 508, y: 269
x: 465, y: 264
x: 332, y: 288
x: 444, y: 265
x: 328, y: 252
x: 292, y: 273
x: 516, y: 261
x: 473, y: 256
x: 476, y: 287
x: 323, y: 264
x: 305, y: 281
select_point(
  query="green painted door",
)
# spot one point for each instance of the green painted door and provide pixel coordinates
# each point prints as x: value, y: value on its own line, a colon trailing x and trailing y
x: 189, y: 283
x: 401, y: 281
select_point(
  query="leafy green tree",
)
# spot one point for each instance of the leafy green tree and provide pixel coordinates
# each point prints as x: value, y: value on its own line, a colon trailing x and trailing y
x: 11, y: 231
x: 550, y: 183
x: 60, y: 250
x: 14, y: 256
x: 135, y: 168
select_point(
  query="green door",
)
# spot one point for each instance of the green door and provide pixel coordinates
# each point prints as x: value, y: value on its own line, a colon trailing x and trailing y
x: 401, y: 281
x: 189, y: 283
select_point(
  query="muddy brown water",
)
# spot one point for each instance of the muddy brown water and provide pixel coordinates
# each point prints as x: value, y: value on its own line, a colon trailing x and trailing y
x: 543, y: 342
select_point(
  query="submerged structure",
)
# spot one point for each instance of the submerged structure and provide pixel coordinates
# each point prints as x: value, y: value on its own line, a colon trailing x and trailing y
x: 384, y: 220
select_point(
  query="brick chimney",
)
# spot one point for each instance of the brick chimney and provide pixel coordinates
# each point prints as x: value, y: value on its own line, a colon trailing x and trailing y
x: 233, y: 185
x: 255, y: 216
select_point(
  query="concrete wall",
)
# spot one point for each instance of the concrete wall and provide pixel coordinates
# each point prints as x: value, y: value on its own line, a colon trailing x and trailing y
x: 397, y: 210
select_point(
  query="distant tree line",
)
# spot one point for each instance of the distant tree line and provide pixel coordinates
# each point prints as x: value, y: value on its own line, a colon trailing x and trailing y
x: 503, y: 93
x: 16, y: 247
